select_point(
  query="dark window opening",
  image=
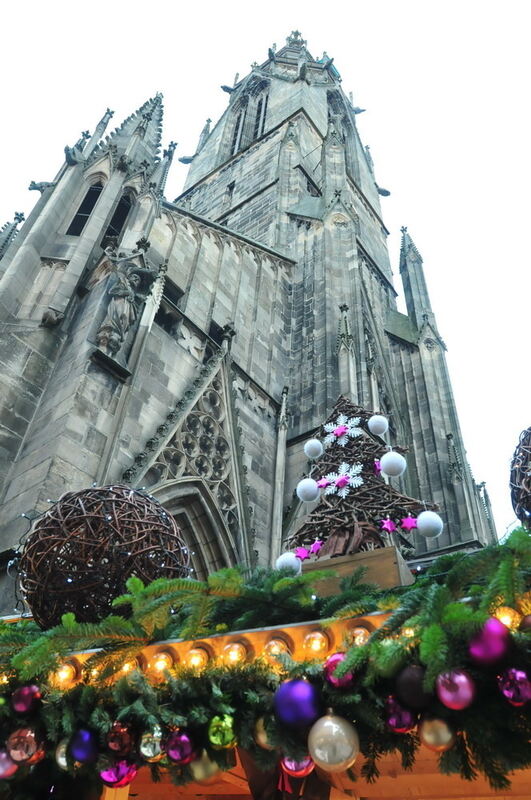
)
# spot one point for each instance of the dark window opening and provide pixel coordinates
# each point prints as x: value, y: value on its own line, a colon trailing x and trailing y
x: 237, y: 135
x: 230, y: 189
x: 216, y: 332
x: 119, y: 217
x: 85, y: 210
x: 258, y: 118
x: 168, y: 316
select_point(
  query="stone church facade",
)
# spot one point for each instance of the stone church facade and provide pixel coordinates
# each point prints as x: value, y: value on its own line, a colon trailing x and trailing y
x: 192, y: 346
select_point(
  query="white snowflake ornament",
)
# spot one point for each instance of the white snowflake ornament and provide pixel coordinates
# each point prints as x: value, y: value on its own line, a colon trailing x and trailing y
x: 343, y: 429
x: 347, y: 477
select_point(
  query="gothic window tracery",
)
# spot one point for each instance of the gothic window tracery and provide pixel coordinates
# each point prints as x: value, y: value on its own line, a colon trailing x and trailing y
x: 119, y: 217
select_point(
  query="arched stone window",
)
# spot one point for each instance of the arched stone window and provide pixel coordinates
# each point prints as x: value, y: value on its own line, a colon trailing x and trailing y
x: 118, y: 219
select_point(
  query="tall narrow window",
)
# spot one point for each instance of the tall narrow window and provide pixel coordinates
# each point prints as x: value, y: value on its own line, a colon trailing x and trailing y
x: 119, y: 217
x: 85, y: 210
x: 258, y: 118
x: 237, y: 135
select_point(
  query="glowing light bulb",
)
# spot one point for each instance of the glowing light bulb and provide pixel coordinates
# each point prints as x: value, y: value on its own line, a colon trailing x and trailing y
x: 275, y: 647
x: 129, y: 666
x: 65, y: 674
x: 197, y: 658
x: 509, y: 616
x: 160, y: 663
x: 316, y: 643
x: 359, y: 636
x: 234, y: 653
x: 409, y: 632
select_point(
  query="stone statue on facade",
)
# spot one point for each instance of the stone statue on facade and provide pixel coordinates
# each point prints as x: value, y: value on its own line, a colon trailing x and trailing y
x: 127, y: 294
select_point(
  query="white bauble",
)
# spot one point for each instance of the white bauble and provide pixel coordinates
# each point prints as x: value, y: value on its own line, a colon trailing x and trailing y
x: 333, y: 743
x: 378, y: 424
x: 307, y: 490
x: 393, y: 464
x: 429, y: 524
x: 313, y: 448
x: 289, y: 561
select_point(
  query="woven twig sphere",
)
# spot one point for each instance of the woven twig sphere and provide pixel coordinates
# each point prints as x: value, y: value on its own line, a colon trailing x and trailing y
x: 81, y: 551
x: 521, y: 479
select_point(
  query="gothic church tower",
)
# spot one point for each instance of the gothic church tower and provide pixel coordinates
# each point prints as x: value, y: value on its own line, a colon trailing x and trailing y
x: 192, y: 346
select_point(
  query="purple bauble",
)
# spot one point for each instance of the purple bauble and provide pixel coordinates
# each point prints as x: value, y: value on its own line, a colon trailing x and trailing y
x: 297, y: 769
x: 455, y: 689
x: 329, y: 668
x: 296, y: 703
x: 515, y: 686
x: 83, y: 746
x: 399, y: 719
x: 7, y: 766
x: 26, y: 699
x: 491, y: 643
x: 409, y: 688
x: 180, y: 747
x: 121, y: 773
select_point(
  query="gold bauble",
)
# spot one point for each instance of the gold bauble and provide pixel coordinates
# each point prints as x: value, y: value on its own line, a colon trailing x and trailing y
x: 260, y: 735
x: 333, y: 743
x: 436, y: 734
x: 203, y: 768
x: 524, y: 603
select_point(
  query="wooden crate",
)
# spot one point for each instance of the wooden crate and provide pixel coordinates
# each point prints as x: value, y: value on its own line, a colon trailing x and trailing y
x: 385, y: 567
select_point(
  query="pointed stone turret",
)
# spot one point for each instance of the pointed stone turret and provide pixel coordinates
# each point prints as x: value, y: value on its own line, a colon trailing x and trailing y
x: 205, y: 133
x: 415, y: 290
x: 145, y: 125
x: 160, y: 173
x: 99, y: 130
x: 9, y: 231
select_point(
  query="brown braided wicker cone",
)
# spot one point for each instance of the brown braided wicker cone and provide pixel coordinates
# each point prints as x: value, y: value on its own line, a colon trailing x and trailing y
x: 520, y: 480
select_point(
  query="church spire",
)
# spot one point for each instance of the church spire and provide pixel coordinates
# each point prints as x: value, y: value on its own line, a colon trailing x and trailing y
x: 415, y: 290
x: 8, y: 232
x: 160, y: 173
x: 146, y: 124
x: 99, y: 130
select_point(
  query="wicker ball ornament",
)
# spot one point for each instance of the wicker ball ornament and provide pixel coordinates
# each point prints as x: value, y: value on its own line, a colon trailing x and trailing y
x: 80, y: 553
x: 520, y: 480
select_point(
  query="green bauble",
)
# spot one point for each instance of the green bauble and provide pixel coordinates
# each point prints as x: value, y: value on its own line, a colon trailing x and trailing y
x: 221, y: 732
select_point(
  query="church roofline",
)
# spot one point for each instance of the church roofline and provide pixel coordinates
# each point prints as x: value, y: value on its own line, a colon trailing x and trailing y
x: 224, y: 229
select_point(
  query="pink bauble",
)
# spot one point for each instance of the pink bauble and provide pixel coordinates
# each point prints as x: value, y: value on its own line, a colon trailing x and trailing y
x: 121, y: 773
x: 399, y: 719
x: 180, y: 747
x: 455, y: 689
x: 297, y: 769
x: 25, y: 699
x: 491, y: 643
x: 7, y: 765
x: 329, y: 668
x: 515, y: 686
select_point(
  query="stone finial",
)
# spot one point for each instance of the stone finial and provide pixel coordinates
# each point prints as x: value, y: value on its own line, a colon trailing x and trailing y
x: 19, y: 216
x: 295, y: 39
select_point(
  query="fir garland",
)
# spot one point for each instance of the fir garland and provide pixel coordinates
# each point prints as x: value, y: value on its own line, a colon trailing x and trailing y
x: 430, y: 624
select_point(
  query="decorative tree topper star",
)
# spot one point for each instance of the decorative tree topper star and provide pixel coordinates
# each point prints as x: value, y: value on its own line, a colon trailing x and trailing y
x: 408, y: 523
x: 343, y: 429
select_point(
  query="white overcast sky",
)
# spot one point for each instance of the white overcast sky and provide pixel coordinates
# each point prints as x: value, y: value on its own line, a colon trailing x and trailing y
x: 446, y: 88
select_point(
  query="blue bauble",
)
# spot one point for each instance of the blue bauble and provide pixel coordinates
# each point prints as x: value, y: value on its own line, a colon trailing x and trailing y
x: 296, y: 702
x: 83, y: 746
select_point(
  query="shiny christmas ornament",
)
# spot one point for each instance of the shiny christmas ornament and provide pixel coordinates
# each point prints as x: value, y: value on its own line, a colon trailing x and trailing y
x: 120, y: 739
x: 409, y: 688
x: 83, y: 746
x: 26, y: 699
x: 393, y: 464
x: 65, y: 675
x: 203, y: 768
x: 408, y: 523
x: 61, y: 754
x: 180, y: 747
x: 23, y: 746
x: 429, y: 524
x: 296, y: 702
x: 387, y: 525
x: 260, y: 735
x: 8, y: 767
x: 378, y: 424
x: 359, y: 635
x: 313, y: 448
x: 297, y: 769
x: 455, y: 689
x: 491, y: 643
x: 515, y: 686
x: 307, y: 490
x: 289, y: 561
x: 221, y: 732
x: 150, y: 745
x: 436, y: 734
x: 333, y: 743
x: 399, y: 719
x: 121, y: 773
x: 329, y: 668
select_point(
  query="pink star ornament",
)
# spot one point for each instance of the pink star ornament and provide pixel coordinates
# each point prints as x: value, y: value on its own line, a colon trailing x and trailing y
x: 408, y: 523
x: 388, y: 525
